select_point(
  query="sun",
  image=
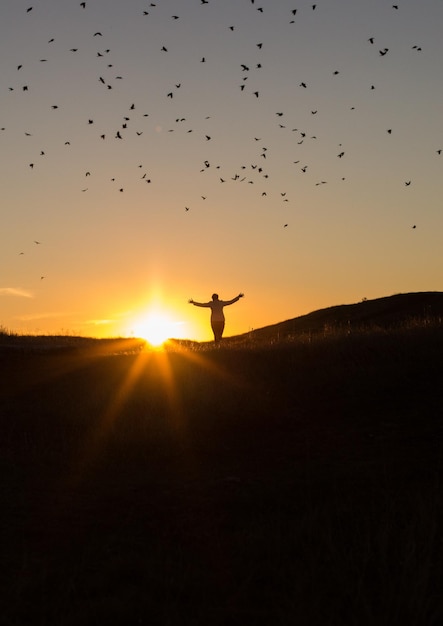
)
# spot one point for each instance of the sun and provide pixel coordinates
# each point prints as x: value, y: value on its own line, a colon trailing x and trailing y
x: 155, y: 328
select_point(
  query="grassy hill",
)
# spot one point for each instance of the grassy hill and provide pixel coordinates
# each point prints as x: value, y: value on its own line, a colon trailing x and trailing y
x: 384, y: 312
x: 264, y: 482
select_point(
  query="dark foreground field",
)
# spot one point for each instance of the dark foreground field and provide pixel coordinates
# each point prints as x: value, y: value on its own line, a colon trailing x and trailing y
x: 294, y: 483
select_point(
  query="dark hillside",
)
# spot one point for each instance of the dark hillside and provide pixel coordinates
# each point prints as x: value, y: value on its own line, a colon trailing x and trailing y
x: 388, y: 312
x: 267, y: 482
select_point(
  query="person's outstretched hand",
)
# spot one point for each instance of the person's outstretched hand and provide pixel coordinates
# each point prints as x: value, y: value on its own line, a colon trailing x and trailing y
x: 191, y: 301
x: 241, y: 295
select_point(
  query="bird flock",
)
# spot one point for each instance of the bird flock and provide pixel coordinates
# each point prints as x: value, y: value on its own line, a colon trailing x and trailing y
x: 140, y: 120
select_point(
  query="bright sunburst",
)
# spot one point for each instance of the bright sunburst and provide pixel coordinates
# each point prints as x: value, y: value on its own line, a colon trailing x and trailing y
x: 156, y: 328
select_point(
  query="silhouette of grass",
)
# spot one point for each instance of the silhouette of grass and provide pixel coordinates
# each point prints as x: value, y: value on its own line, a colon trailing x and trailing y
x: 292, y: 481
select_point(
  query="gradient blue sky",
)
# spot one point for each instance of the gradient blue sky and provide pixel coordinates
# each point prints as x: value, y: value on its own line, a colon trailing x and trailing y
x: 293, y: 241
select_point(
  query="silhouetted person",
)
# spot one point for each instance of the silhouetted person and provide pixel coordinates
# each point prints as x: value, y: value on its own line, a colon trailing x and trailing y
x: 217, y: 315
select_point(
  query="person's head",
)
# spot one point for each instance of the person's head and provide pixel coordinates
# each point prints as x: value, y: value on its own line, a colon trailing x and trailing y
x: 215, y: 296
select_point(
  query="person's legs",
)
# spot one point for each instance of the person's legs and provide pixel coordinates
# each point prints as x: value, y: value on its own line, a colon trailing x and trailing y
x: 217, y: 329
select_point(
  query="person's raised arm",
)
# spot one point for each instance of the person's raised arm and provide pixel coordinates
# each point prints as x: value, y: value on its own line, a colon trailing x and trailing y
x: 191, y: 301
x: 236, y: 299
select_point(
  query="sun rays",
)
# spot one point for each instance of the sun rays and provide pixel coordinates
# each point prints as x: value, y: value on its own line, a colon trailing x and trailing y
x: 160, y: 387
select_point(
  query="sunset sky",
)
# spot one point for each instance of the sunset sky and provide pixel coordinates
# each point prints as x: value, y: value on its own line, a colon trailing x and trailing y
x: 164, y: 151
